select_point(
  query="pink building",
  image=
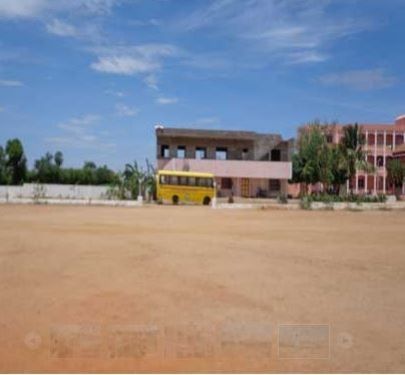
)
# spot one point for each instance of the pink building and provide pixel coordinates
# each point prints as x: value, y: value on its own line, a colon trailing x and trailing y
x: 382, y: 143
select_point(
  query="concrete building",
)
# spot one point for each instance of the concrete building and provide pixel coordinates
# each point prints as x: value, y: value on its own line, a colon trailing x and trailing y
x: 245, y: 163
x: 382, y: 143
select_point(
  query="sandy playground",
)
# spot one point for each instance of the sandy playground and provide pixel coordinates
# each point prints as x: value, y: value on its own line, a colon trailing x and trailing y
x: 194, y: 289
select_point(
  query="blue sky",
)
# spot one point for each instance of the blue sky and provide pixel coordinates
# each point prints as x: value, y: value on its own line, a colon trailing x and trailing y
x: 92, y: 77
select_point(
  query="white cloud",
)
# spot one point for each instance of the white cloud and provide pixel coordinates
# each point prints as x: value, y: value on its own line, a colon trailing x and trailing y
x: 206, y: 16
x: 366, y: 79
x: 294, y: 31
x: 79, y: 132
x: 303, y: 57
x: 125, y: 65
x: 165, y: 100
x: 123, y: 110
x: 151, y: 81
x: 61, y: 28
x: 22, y: 8
x: 131, y: 60
x: 40, y: 8
x: 10, y: 83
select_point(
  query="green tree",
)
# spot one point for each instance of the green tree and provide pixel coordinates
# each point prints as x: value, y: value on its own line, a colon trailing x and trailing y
x: 351, y: 146
x: 134, y: 175
x: 4, y: 175
x: 105, y: 176
x: 338, y: 168
x: 310, y: 163
x: 44, y: 169
x: 88, y: 174
x: 58, y: 157
x: 396, y: 174
x: 16, y: 161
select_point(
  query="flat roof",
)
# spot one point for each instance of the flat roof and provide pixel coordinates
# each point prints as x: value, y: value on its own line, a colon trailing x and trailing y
x: 209, y: 133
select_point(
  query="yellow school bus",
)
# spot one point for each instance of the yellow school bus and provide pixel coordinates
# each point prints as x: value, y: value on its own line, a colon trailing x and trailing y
x: 185, y: 187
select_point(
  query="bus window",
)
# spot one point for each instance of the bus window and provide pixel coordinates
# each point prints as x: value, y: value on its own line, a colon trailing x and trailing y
x: 164, y: 179
x: 174, y: 180
x: 204, y: 182
x: 183, y: 180
x: 192, y: 181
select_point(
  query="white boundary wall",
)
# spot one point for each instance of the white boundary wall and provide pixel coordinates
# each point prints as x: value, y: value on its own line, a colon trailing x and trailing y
x: 54, y: 191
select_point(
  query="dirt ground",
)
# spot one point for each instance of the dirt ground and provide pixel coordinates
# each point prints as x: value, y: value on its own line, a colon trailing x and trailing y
x: 194, y: 289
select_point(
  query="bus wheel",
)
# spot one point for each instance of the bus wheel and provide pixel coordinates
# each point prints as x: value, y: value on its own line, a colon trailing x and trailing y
x: 175, y: 199
x: 206, y: 201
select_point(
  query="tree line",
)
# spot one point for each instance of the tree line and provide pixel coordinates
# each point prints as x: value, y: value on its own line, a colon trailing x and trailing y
x: 333, y: 165
x: 49, y: 169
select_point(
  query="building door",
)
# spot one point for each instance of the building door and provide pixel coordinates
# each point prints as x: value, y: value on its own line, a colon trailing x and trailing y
x: 245, y: 188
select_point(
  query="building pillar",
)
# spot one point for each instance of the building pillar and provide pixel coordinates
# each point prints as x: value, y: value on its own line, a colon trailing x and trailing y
x: 357, y: 182
x: 375, y: 163
x: 393, y: 140
x: 384, y: 161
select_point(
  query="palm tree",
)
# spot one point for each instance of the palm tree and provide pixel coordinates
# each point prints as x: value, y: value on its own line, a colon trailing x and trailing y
x: 351, y: 145
x: 396, y: 174
x: 139, y: 181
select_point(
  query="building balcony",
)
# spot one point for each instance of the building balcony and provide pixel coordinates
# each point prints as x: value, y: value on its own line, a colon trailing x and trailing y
x: 231, y: 168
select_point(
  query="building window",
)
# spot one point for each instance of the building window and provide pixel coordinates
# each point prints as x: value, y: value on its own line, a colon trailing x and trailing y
x: 361, y: 182
x: 165, y: 151
x: 380, y: 161
x: 200, y: 153
x: 245, y: 154
x: 274, y: 185
x: 181, y: 152
x: 275, y: 155
x: 329, y: 138
x: 226, y: 183
x: 221, y: 153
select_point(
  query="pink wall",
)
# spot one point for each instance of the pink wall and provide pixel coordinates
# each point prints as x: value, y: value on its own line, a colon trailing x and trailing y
x: 230, y: 168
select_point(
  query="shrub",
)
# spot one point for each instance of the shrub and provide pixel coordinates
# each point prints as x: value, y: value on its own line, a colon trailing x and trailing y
x: 305, y: 202
x: 282, y: 198
x: 353, y: 198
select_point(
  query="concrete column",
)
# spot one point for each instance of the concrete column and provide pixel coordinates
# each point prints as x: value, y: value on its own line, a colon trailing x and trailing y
x: 366, y: 175
x: 366, y: 183
x: 357, y: 182
x: 393, y: 140
x: 384, y: 160
x: 375, y: 162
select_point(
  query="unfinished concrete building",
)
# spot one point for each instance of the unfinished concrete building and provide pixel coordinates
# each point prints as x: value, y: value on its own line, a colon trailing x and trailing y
x: 244, y: 163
